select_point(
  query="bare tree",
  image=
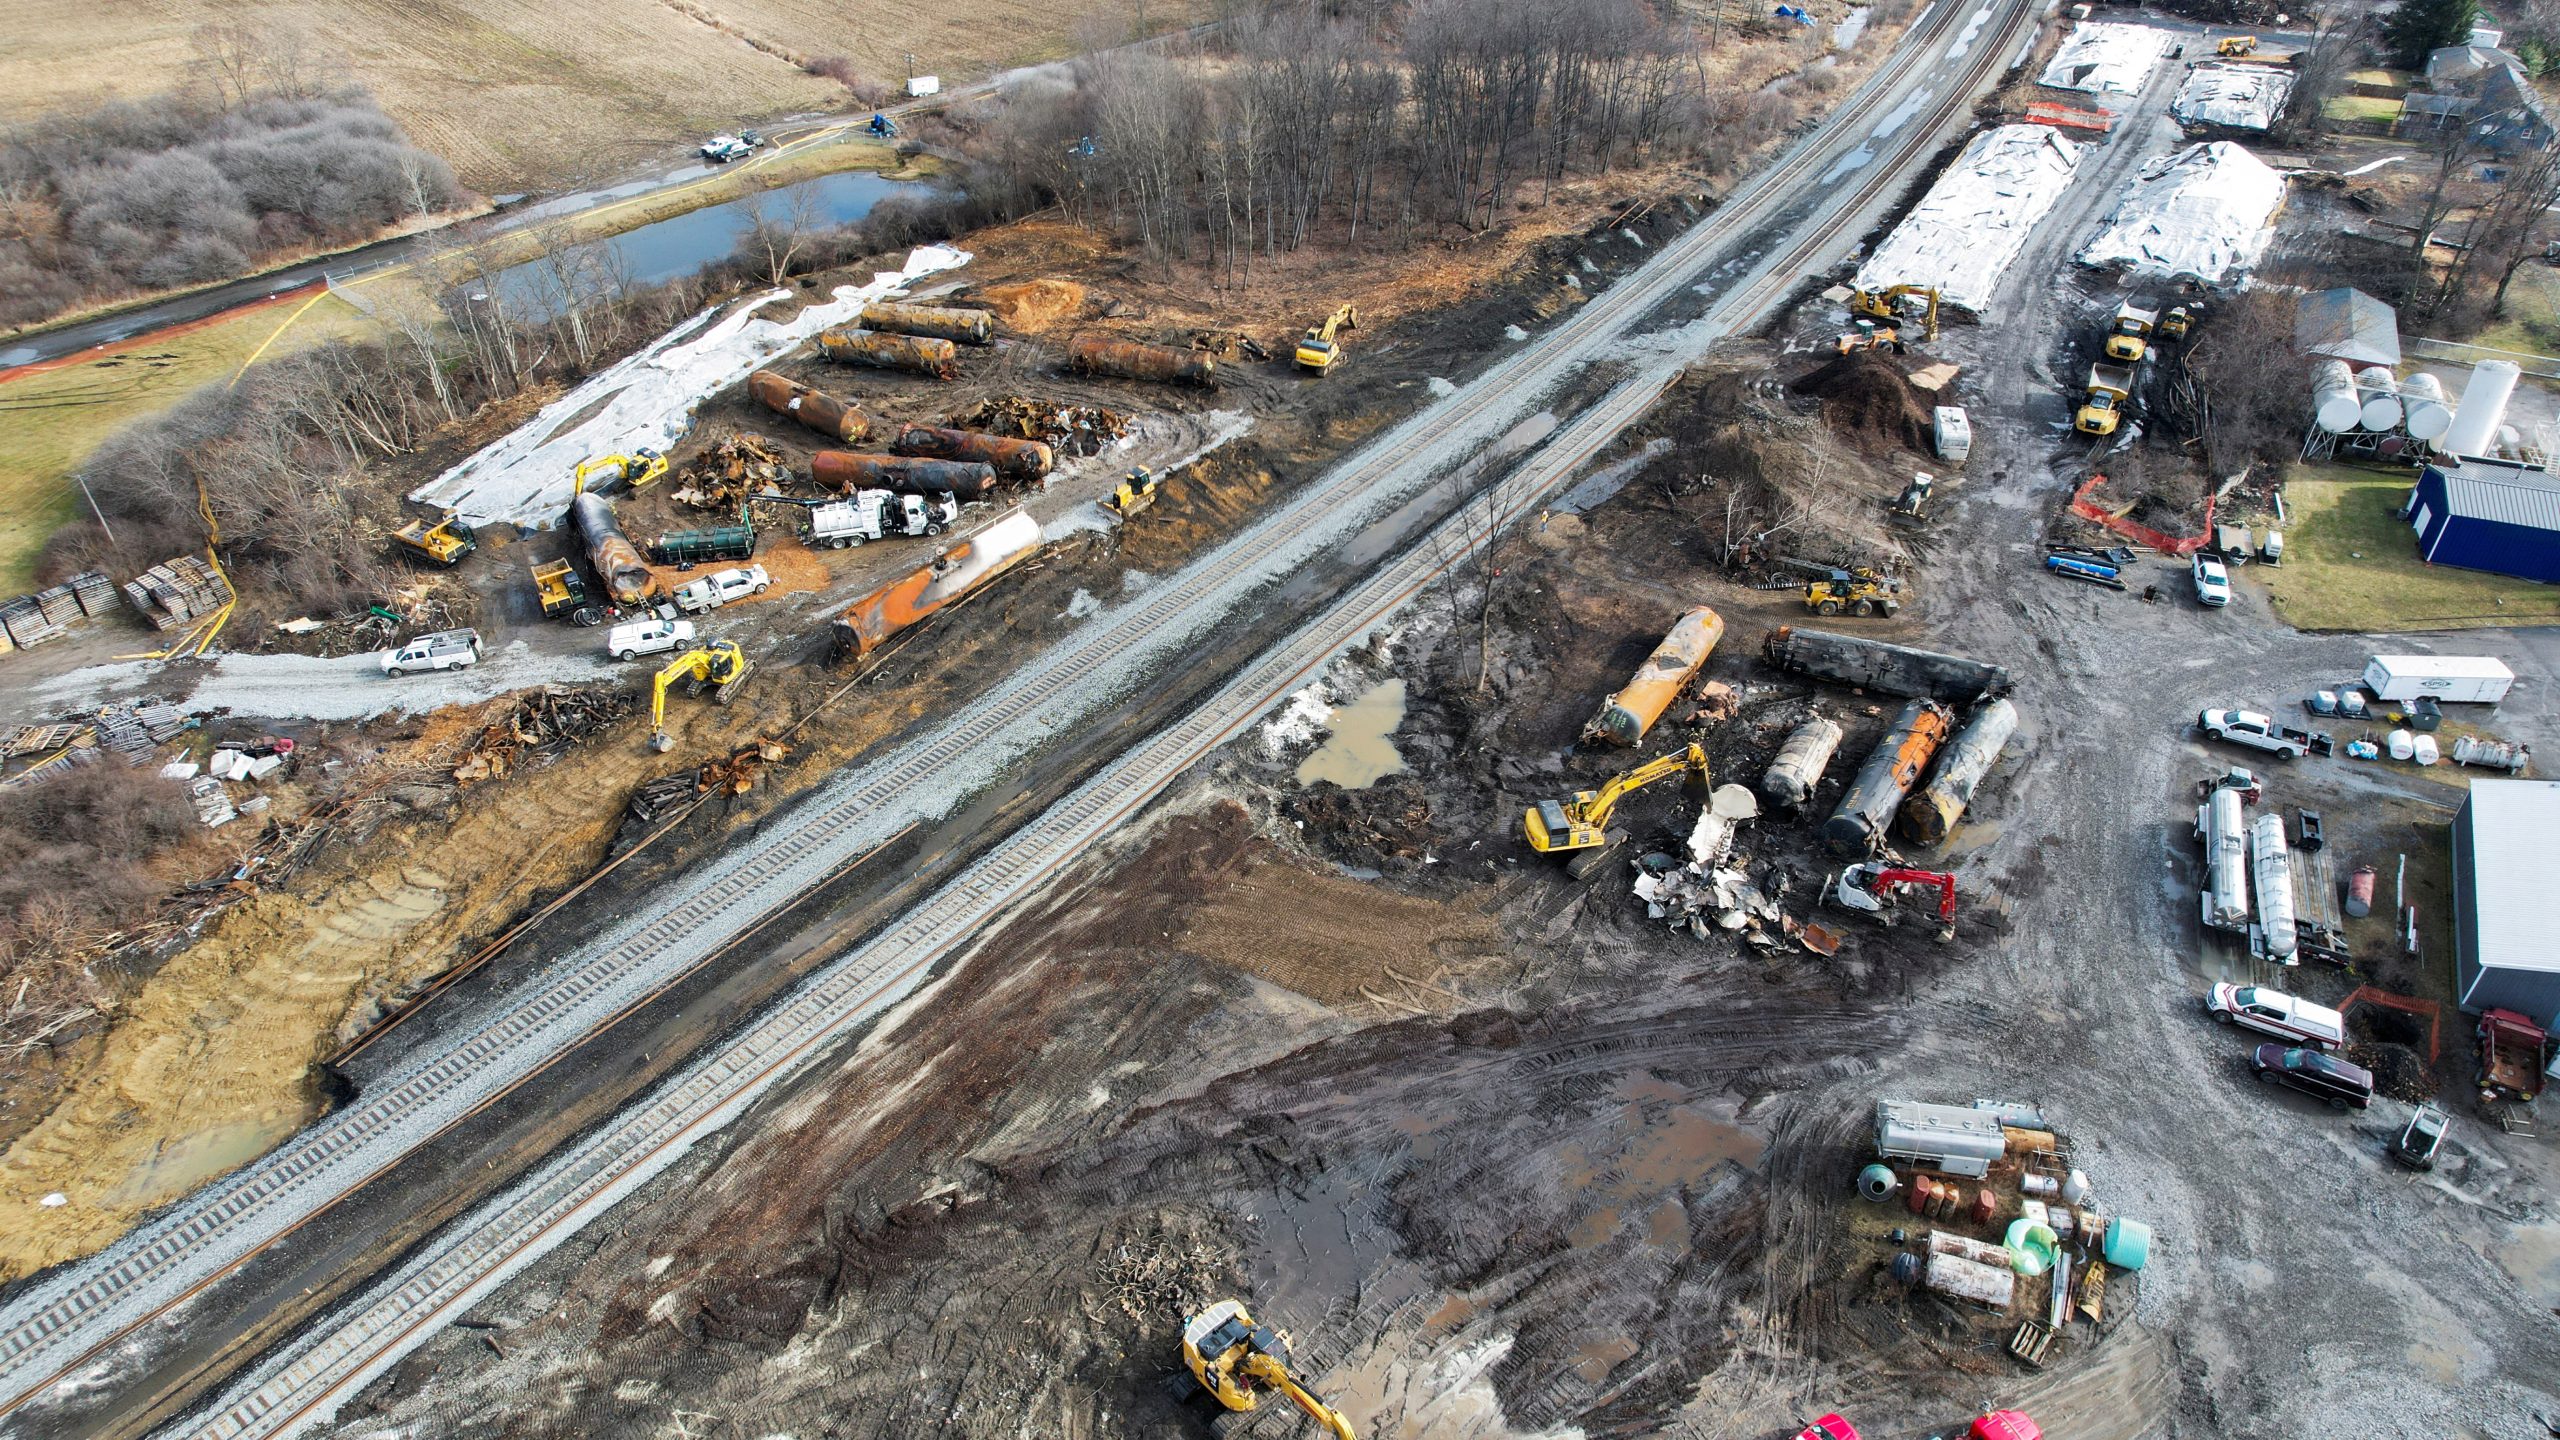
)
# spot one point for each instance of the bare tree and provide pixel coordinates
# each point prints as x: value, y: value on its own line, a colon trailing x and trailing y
x: 2339, y: 40
x: 781, y: 223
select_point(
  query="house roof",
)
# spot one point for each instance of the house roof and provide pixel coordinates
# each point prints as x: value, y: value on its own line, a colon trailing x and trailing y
x: 2504, y: 87
x: 2460, y: 62
x: 2515, y: 841
x: 2503, y: 491
x: 2347, y: 324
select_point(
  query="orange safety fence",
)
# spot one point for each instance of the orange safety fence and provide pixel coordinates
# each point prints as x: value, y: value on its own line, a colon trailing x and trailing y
x: 2065, y: 117
x: 2088, y: 509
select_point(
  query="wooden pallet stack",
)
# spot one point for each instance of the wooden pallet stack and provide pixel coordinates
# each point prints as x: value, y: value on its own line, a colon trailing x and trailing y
x: 25, y: 622
x: 178, y: 592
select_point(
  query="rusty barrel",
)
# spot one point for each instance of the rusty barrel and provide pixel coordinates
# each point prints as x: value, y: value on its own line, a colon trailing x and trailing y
x: 1025, y: 460
x: 924, y: 355
x: 963, y: 327
x: 1095, y: 355
x: 616, y: 560
x: 816, y: 409
x: 1856, y: 829
x: 846, y: 471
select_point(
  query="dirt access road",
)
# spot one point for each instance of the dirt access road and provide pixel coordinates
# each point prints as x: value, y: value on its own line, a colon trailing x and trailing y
x: 1413, y: 458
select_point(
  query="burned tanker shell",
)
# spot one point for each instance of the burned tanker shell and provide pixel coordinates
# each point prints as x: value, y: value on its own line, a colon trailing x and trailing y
x: 1665, y: 673
x: 846, y: 471
x: 1928, y: 816
x: 1790, y: 778
x: 1093, y: 355
x: 937, y: 358
x: 616, y: 560
x: 1023, y: 460
x: 964, y: 327
x: 1875, y: 665
x: 1010, y: 539
x: 1857, y: 828
x: 816, y: 409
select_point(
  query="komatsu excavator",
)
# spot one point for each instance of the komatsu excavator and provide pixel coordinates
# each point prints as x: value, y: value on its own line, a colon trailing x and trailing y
x: 637, y: 470
x: 1579, y: 828
x: 1235, y: 1358
x: 1320, y: 349
x: 1886, y: 304
x: 719, y: 667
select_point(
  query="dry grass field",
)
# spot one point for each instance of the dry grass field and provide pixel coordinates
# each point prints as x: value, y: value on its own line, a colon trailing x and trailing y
x: 538, y: 95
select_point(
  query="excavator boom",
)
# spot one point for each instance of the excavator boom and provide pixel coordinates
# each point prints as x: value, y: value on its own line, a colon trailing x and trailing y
x: 1321, y: 348
x: 1582, y: 822
x: 1233, y: 1356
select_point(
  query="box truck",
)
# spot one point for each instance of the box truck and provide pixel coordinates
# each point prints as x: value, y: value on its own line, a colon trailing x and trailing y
x: 2466, y: 679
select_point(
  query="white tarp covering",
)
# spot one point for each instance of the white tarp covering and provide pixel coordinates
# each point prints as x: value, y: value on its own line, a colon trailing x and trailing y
x: 2106, y: 58
x: 647, y: 399
x: 2204, y: 214
x: 1977, y: 217
x: 2237, y: 97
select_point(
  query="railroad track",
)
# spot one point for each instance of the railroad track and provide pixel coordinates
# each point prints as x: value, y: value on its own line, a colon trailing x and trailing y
x: 57, y: 1327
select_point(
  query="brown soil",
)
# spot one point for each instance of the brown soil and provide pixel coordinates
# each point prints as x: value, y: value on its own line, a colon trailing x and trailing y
x: 1868, y: 396
x: 1334, y: 940
x: 1032, y: 306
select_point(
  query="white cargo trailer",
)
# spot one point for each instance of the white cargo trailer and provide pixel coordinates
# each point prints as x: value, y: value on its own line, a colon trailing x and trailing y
x: 1953, y: 434
x: 2468, y: 679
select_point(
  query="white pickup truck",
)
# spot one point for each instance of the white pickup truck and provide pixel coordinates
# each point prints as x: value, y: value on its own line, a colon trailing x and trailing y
x: 2262, y: 732
x: 720, y: 587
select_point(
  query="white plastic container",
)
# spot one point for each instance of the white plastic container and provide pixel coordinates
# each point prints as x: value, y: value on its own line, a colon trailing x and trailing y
x: 2401, y: 744
x: 924, y: 85
x: 2422, y: 749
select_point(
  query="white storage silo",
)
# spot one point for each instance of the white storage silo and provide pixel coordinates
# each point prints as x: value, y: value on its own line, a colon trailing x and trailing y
x: 2335, y: 406
x: 2484, y: 404
x: 2423, y: 407
x: 2380, y: 392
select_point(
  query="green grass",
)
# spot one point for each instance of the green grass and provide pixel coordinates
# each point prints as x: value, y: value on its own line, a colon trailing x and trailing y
x: 2361, y: 107
x: 2351, y: 565
x: 2532, y: 322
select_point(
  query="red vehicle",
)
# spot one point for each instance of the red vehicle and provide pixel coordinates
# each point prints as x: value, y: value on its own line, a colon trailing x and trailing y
x: 2511, y: 1049
x: 2004, y: 1425
x: 1829, y: 1427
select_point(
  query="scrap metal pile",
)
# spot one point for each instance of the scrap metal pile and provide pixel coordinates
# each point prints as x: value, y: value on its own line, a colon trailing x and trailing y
x: 1072, y: 430
x: 720, y: 477
x: 540, y: 728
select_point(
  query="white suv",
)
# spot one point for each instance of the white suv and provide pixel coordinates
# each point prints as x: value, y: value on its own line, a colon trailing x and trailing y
x: 720, y: 587
x: 2272, y: 1012
x: 647, y: 637
x: 443, y: 650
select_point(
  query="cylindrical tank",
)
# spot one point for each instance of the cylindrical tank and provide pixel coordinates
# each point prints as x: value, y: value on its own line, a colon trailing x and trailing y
x: 847, y: 471
x: 1906, y: 1269
x: 1857, y: 827
x: 2422, y: 748
x: 1631, y: 712
x: 1791, y: 777
x: 2423, y: 408
x: 1929, y: 815
x: 1097, y: 355
x: 2379, y: 390
x: 2225, y: 831
x: 1877, y: 1182
x: 2484, y: 405
x: 966, y: 327
x: 2128, y: 1244
x: 616, y: 560
x: 2335, y: 406
x: 1924, y: 1193
x: 1877, y: 665
x: 2494, y: 754
x: 937, y: 358
x: 2271, y: 866
x: 2360, y: 892
x: 1025, y: 460
x: 1010, y: 539
x: 816, y: 409
x: 2401, y: 744
x: 1986, y: 1203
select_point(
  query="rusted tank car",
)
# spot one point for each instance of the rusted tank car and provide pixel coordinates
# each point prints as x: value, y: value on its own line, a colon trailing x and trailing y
x: 963, y: 327
x: 921, y: 354
x: 1857, y: 827
x: 1631, y: 712
x: 1790, y: 778
x: 816, y: 409
x: 1010, y: 539
x: 1023, y: 460
x: 1875, y: 665
x: 1928, y: 815
x: 616, y: 560
x: 845, y: 470
x: 1097, y: 355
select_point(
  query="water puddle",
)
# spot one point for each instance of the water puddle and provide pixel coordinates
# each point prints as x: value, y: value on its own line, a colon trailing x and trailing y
x: 186, y: 1164
x: 2532, y: 1255
x: 1360, y: 753
x: 1846, y: 33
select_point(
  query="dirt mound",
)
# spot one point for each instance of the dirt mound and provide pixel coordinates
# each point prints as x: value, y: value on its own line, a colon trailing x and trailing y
x: 2399, y: 1071
x: 1868, y: 398
x: 1033, y: 305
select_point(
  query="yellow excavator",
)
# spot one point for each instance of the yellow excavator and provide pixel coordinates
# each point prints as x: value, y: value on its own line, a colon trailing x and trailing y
x: 1234, y: 1357
x: 1319, y: 349
x: 1578, y: 828
x: 720, y: 667
x: 637, y: 470
x: 1886, y: 304
x: 2236, y: 45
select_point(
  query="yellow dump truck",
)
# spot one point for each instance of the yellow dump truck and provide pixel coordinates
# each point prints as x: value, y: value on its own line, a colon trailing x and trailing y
x: 2103, y: 407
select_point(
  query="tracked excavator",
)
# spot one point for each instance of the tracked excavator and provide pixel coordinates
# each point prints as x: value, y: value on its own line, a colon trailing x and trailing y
x: 1235, y: 1359
x: 1871, y: 887
x: 1578, y: 829
x: 719, y: 667
x: 1886, y: 304
x: 637, y: 470
x: 1320, y: 349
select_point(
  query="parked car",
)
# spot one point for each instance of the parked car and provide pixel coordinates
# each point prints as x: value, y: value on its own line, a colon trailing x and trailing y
x: 2348, y: 1087
x: 443, y: 650
x: 720, y: 587
x: 2213, y: 583
x: 1829, y: 1427
x: 2273, y: 1012
x: 2421, y: 1138
x: 721, y: 149
x: 647, y: 637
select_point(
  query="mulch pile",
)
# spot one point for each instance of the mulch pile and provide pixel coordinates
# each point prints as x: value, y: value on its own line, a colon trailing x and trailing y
x: 1869, y: 399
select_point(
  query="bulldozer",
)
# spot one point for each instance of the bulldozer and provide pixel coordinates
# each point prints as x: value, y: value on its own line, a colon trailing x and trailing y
x: 1870, y: 336
x: 443, y: 543
x: 1872, y: 885
x: 1578, y: 829
x: 1859, y: 591
x: 1318, y: 350
x: 1234, y: 1358
x: 719, y: 667
x: 637, y: 470
x: 1136, y: 491
x: 1886, y: 304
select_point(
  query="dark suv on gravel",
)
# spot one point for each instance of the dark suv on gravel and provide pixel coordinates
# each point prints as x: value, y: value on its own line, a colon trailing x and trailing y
x: 2349, y: 1087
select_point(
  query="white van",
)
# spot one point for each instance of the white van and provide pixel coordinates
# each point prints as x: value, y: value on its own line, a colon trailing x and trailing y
x: 2272, y: 1012
x: 646, y: 637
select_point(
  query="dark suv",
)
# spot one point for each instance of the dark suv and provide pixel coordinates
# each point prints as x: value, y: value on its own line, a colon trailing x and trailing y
x: 2349, y: 1087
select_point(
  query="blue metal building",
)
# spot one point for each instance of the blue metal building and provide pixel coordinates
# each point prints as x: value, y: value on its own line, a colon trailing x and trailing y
x: 2491, y: 515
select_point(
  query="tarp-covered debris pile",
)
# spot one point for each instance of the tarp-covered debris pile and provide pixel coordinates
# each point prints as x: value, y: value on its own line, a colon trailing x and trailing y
x: 2232, y: 97
x: 2106, y: 58
x: 1072, y: 430
x: 2203, y: 214
x: 1977, y: 217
